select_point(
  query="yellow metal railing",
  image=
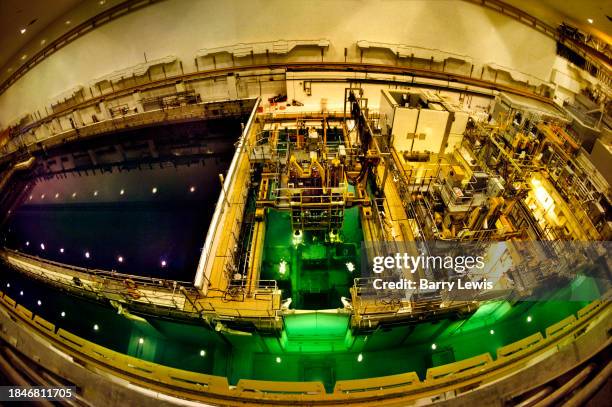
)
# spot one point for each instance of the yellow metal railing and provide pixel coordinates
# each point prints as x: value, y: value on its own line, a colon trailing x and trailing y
x: 475, y: 370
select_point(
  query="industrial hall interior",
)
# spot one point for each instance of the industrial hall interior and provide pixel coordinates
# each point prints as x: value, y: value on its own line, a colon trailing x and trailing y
x: 322, y: 202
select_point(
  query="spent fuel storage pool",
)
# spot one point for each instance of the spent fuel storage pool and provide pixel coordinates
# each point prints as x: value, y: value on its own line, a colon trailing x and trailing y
x: 139, y: 206
x: 282, y: 256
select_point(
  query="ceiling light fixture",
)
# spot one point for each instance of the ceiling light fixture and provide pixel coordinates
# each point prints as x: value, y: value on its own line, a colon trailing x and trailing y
x: 23, y: 31
x: 590, y: 20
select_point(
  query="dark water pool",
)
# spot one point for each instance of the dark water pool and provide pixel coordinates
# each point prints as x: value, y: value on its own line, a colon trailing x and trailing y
x: 149, y: 222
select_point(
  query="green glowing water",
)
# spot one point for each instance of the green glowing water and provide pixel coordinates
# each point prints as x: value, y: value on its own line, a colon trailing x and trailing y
x: 315, y: 273
x: 312, y: 346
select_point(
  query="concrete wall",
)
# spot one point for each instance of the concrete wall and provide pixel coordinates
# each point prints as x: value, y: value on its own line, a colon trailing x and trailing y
x: 181, y: 27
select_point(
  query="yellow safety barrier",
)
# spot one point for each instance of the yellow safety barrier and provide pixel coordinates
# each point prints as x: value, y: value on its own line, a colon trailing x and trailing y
x: 170, y: 380
x: 584, y: 312
x: 71, y: 340
x: 560, y: 327
x: 377, y: 383
x: 24, y: 312
x: 43, y: 323
x: 462, y: 366
x: 262, y: 386
x: 193, y: 380
x: 9, y: 301
x: 519, y: 347
x: 164, y: 374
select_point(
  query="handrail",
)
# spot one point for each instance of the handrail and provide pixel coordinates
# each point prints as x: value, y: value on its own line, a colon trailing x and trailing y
x: 113, y: 275
x: 477, y: 370
x: 299, y: 66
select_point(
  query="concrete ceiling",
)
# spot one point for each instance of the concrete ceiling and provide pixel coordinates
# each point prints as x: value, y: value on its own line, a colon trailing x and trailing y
x: 33, y: 15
